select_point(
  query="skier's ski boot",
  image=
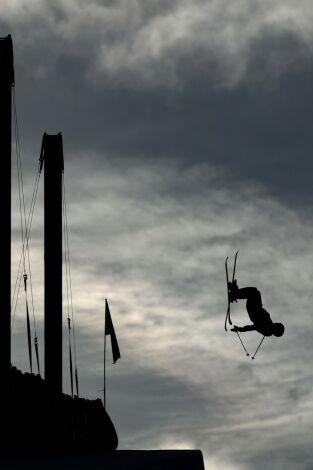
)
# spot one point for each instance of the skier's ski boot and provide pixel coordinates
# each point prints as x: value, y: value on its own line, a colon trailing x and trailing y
x: 233, y: 288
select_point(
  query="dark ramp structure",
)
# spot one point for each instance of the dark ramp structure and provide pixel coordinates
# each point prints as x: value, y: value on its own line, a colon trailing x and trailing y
x: 42, y: 427
x: 118, y: 460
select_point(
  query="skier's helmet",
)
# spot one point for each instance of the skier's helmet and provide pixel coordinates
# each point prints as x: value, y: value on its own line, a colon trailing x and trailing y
x: 278, y: 329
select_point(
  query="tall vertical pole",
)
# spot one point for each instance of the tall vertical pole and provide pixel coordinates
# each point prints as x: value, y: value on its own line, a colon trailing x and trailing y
x: 53, y: 170
x: 104, y: 362
x: 6, y: 83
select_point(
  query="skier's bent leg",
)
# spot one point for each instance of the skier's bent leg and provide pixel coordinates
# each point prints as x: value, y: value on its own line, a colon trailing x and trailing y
x: 252, y: 294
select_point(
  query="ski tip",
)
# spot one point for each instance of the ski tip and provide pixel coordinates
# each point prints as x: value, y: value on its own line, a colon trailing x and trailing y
x: 252, y: 357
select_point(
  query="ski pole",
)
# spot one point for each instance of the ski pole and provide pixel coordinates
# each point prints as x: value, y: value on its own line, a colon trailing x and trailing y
x: 258, y: 347
x: 242, y: 343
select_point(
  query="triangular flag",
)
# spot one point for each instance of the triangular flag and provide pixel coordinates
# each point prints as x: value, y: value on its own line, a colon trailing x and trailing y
x: 109, y: 330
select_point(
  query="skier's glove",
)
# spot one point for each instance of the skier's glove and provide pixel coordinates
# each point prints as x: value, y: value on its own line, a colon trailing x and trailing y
x: 236, y: 328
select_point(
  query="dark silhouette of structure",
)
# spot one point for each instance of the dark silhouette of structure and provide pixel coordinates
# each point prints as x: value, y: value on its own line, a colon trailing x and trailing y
x: 119, y: 460
x: 6, y: 83
x: 44, y: 421
x: 41, y: 427
x: 37, y: 410
x: 52, y: 159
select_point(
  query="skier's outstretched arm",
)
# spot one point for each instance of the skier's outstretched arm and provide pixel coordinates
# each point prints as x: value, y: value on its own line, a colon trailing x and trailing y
x: 243, y: 328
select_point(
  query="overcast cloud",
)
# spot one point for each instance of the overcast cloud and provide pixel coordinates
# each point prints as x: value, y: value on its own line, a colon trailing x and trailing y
x: 152, y: 42
x: 187, y: 136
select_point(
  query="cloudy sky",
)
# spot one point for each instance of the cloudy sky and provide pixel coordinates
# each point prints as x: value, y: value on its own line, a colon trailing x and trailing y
x: 187, y: 135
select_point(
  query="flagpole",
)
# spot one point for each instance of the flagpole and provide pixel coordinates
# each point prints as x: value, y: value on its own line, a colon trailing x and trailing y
x: 104, y: 361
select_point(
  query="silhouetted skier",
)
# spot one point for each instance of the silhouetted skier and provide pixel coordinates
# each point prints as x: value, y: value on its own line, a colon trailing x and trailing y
x: 262, y: 322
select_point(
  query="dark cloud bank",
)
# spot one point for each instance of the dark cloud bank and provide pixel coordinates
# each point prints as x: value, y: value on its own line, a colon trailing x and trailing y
x: 94, y: 74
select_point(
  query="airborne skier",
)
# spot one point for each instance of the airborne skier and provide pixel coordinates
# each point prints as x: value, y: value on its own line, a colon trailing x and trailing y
x: 261, y: 320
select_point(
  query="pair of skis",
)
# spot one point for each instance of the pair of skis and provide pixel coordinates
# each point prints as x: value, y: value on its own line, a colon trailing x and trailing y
x: 228, y: 319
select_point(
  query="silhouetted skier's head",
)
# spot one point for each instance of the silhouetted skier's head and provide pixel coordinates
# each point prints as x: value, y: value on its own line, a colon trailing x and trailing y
x: 278, y: 329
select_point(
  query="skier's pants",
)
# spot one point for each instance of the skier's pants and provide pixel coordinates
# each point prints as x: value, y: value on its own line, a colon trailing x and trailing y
x: 253, y: 296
